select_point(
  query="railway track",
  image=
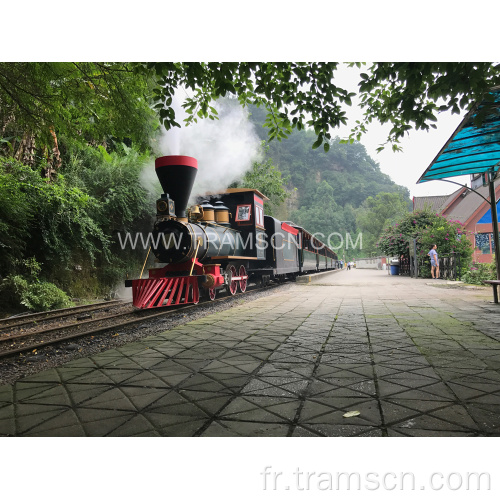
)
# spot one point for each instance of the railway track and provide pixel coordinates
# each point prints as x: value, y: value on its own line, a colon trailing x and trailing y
x: 18, y: 341
x: 36, y: 318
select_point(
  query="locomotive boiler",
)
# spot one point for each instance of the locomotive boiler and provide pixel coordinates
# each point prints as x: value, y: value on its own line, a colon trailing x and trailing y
x: 219, y: 243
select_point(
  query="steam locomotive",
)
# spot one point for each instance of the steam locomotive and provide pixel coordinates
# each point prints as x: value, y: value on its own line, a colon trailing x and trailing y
x: 222, y: 242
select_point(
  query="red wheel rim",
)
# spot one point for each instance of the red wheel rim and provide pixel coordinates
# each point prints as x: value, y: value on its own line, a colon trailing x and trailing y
x: 211, y: 293
x: 233, y: 285
x: 243, y: 282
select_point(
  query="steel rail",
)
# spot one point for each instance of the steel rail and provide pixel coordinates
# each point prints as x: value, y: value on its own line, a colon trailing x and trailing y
x: 61, y: 313
x: 10, y: 338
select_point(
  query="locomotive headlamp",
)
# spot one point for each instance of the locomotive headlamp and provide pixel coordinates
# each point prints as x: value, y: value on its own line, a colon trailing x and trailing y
x: 165, y: 206
x: 162, y: 206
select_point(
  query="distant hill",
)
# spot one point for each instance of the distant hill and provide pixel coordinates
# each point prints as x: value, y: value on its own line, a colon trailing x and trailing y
x: 347, y: 168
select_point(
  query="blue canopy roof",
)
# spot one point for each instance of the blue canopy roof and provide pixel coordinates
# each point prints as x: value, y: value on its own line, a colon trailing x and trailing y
x: 472, y: 149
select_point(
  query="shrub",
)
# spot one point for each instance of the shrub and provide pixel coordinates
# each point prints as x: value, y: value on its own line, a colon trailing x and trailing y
x: 36, y: 296
x: 478, y: 272
x: 73, y: 219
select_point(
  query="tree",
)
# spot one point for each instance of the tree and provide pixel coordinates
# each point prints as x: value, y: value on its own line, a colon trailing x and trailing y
x: 299, y: 95
x: 85, y: 102
x: 266, y: 178
x: 375, y: 213
x: 324, y: 216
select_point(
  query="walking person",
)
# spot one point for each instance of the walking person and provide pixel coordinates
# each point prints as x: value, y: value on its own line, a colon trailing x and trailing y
x: 434, y: 262
x: 349, y: 265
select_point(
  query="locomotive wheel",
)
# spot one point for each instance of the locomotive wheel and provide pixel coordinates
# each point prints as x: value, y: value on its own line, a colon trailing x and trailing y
x: 243, y: 282
x: 231, y: 286
x: 211, y: 293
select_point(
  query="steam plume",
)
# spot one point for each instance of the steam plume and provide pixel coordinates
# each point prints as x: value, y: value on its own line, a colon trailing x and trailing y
x: 225, y: 148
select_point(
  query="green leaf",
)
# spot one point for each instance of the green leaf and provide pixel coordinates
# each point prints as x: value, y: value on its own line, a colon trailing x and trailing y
x: 318, y: 143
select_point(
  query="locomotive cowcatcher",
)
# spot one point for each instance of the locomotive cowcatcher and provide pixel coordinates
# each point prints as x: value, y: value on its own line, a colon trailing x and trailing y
x: 220, y: 243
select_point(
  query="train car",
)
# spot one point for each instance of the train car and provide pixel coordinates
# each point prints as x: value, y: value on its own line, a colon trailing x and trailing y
x: 221, y: 242
x: 283, y: 248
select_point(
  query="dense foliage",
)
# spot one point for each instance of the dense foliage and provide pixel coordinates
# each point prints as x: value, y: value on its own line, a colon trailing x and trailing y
x: 47, y: 219
x: 300, y: 95
x: 87, y: 102
x: 70, y: 224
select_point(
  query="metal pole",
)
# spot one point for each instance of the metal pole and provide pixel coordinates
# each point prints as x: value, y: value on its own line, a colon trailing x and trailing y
x: 194, y: 258
x: 494, y: 220
x: 142, y: 270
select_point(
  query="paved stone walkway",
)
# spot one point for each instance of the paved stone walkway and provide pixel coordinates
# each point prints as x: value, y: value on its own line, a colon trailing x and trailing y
x: 414, y: 358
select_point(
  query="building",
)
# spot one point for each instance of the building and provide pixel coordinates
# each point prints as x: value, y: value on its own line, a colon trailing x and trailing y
x: 472, y: 211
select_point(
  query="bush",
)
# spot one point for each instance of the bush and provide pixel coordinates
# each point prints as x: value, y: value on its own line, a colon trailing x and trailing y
x: 478, y: 272
x: 36, y: 296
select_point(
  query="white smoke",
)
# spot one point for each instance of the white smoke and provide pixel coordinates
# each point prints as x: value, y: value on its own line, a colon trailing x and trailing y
x: 225, y: 148
x: 149, y: 179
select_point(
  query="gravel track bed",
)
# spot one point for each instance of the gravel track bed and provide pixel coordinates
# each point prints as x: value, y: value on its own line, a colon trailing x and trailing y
x: 21, y: 365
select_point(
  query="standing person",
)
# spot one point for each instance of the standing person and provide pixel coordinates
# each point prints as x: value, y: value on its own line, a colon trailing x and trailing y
x: 349, y: 265
x: 434, y: 262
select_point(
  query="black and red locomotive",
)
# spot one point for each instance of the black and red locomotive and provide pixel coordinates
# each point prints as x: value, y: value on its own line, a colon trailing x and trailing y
x: 220, y: 243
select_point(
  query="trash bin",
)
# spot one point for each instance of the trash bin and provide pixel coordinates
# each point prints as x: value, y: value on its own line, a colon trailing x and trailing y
x: 395, y: 267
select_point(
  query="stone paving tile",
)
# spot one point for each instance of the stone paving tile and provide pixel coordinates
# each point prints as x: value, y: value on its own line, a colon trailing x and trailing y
x: 334, y: 430
x: 29, y: 417
x: 487, y: 416
x: 247, y: 429
x: 426, y: 433
x: 261, y: 409
x: 413, y: 359
x: 65, y: 423
x: 331, y: 410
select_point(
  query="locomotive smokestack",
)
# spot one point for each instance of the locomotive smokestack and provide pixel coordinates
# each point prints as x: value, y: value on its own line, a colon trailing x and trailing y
x: 176, y: 175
